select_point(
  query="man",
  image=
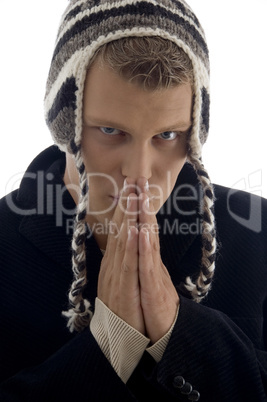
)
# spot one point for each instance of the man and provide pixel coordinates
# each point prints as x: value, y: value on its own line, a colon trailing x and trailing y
x: 127, y: 102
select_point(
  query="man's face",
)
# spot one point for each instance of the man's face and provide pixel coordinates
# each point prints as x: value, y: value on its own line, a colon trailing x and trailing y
x: 129, y: 132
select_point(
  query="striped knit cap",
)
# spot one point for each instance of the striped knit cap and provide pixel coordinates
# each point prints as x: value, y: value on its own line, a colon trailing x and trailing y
x: 85, y: 26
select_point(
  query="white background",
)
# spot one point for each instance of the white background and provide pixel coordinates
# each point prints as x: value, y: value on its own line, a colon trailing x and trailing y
x: 236, y: 30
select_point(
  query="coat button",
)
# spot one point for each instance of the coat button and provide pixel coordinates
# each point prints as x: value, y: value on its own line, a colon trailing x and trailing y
x: 178, y: 382
x: 194, y: 396
x: 186, y: 388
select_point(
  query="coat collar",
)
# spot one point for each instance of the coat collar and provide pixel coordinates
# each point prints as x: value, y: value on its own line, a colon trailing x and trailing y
x: 40, y: 195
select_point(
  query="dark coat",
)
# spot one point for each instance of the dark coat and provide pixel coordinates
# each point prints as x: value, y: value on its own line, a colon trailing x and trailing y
x: 217, y: 346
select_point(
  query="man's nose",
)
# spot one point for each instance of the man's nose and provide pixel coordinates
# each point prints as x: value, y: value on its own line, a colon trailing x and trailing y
x: 138, y: 162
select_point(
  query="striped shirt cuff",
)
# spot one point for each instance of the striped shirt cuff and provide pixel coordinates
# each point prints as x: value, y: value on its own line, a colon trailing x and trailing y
x: 122, y: 344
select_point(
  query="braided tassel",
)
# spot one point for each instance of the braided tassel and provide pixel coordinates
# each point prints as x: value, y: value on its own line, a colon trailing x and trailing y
x: 79, y: 314
x: 201, y: 286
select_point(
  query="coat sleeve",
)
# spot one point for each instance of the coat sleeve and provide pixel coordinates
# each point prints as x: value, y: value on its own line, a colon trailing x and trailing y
x: 78, y: 371
x: 208, y: 355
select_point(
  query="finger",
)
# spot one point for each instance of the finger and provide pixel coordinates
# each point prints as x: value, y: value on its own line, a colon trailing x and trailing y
x: 129, y: 281
x: 142, y: 185
x: 145, y: 249
x: 147, y: 268
x: 129, y: 187
x: 148, y: 220
x: 129, y: 220
x: 159, y: 299
x: 129, y: 267
x: 115, y: 229
x: 119, y: 214
x: 146, y: 204
x: 129, y: 289
x: 112, y: 261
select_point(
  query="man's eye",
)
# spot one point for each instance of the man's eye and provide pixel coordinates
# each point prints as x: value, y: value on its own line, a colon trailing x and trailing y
x: 110, y: 130
x: 168, y: 135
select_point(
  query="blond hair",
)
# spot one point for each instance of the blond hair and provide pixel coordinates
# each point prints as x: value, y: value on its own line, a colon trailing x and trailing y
x: 150, y: 61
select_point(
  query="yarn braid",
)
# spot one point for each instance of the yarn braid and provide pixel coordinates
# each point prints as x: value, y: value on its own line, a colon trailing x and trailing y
x: 79, y: 313
x: 201, y: 286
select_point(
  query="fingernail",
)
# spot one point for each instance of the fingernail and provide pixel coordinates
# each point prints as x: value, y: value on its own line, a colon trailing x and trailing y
x: 146, y: 232
x: 147, y: 204
x: 146, y: 186
x: 128, y: 202
x: 130, y: 236
x: 125, y: 184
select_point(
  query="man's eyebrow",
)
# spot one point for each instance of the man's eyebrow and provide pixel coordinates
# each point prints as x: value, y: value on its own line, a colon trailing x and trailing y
x: 180, y: 125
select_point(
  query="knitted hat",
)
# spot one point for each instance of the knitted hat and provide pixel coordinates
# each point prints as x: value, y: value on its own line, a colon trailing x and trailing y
x: 85, y: 26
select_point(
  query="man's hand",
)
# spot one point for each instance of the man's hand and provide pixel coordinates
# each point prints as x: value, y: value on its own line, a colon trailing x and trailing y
x: 133, y: 281
x: 159, y: 298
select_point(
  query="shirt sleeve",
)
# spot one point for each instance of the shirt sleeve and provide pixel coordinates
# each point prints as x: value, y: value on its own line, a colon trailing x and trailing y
x: 122, y: 344
x: 157, y: 350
